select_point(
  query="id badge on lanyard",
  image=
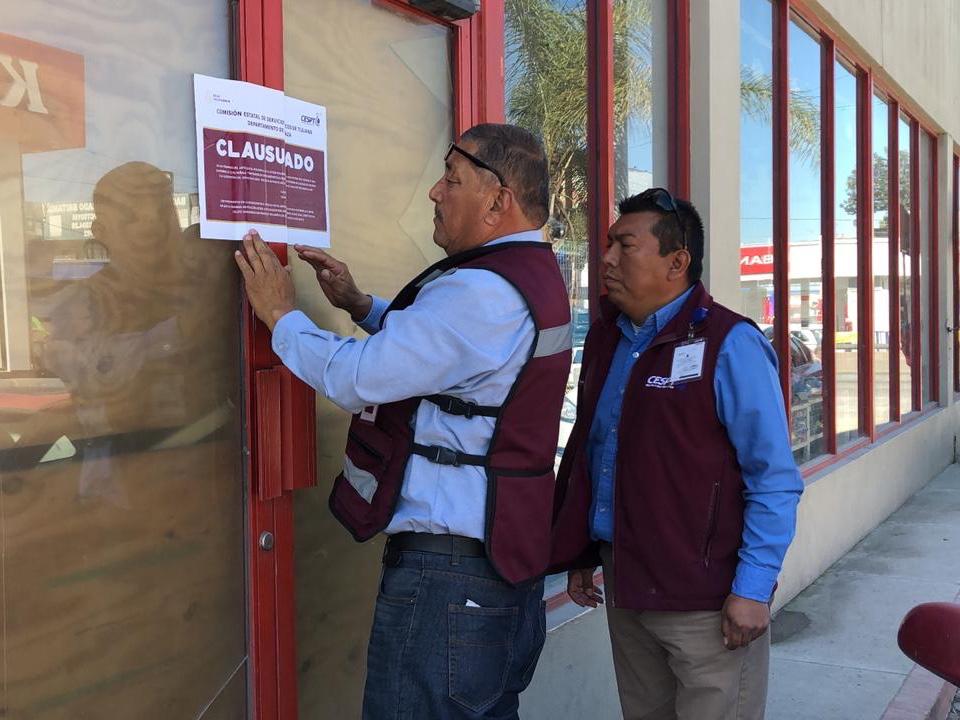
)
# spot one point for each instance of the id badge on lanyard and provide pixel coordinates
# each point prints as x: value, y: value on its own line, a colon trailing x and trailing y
x: 688, y: 356
x: 688, y: 361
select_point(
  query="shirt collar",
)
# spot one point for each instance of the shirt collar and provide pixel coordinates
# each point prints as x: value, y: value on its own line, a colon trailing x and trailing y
x: 524, y: 236
x: 656, y: 321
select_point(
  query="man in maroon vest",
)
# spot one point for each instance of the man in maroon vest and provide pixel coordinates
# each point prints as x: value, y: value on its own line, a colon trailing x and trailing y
x: 678, y: 477
x: 456, y: 398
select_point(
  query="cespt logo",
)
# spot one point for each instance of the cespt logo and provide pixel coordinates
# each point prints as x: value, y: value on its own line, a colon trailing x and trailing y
x: 310, y: 119
x: 659, y: 382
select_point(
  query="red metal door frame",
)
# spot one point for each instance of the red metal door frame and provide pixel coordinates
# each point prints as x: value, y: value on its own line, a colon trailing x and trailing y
x: 271, y: 640
x: 279, y: 410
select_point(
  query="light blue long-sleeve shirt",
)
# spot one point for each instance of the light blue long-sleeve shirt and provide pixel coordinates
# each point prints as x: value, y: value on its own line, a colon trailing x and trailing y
x: 467, y: 334
x: 750, y: 406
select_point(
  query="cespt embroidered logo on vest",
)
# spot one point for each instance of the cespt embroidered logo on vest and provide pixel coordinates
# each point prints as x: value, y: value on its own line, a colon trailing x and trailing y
x: 661, y: 383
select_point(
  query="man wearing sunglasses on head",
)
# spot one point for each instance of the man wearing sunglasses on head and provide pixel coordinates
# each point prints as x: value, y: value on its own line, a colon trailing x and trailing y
x: 678, y: 477
x: 457, y: 396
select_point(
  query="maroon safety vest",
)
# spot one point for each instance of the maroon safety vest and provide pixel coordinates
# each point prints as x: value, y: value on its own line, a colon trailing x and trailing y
x: 678, y: 497
x: 519, y: 461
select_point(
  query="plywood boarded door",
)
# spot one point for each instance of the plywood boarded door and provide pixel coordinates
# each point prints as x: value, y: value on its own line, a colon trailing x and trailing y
x: 122, y: 503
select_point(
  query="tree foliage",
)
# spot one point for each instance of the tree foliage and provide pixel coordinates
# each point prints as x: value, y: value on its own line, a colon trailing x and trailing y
x: 546, y: 61
x: 880, y: 188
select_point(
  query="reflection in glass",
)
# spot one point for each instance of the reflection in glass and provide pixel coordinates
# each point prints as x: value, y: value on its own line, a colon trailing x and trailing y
x: 805, y: 321
x: 639, y: 123
x: 881, y: 263
x: 923, y: 243
x: 845, y: 264
x: 546, y: 92
x: 904, y: 268
x: 120, y: 452
x: 756, y: 164
x: 386, y: 83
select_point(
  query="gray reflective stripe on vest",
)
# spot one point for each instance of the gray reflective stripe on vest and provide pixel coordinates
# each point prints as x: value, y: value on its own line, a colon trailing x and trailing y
x: 554, y: 340
x: 363, y: 482
x: 434, y: 275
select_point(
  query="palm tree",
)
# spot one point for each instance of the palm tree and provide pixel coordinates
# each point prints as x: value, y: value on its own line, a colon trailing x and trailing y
x: 546, y: 60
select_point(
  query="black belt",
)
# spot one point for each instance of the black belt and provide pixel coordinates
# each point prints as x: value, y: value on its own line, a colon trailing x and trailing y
x: 447, y: 456
x: 440, y: 544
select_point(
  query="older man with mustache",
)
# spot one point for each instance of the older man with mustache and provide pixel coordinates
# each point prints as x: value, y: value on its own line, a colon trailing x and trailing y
x: 457, y: 396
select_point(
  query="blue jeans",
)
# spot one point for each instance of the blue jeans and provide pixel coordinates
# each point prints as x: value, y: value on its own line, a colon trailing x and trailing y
x: 433, y: 656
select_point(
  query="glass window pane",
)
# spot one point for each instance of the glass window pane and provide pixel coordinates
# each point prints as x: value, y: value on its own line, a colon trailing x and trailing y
x: 904, y: 269
x: 926, y: 168
x: 546, y: 92
x: 805, y: 265
x: 640, y: 115
x: 756, y: 164
x: 387, y: 87
x: 846, y: 269
x: 881, y: 263
x: 120, y: 440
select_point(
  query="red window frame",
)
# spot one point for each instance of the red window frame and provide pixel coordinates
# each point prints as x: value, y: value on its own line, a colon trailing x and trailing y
x: 600, y: 124
x: 601, y: 139
x: 832, y: 49
x: 933, y: 246
x: 279, y: 411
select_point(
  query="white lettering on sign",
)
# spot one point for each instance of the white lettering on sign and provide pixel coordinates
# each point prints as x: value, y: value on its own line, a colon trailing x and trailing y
x: 23, y: 83
x: 750, y: 260
x: 267, y: 153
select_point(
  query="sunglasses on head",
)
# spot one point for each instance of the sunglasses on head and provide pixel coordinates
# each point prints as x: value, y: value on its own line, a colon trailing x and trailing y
x: 475, y: 160
x: 664, y: 200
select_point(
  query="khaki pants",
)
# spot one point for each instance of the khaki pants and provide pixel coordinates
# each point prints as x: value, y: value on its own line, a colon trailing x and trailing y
x: 673, y: 665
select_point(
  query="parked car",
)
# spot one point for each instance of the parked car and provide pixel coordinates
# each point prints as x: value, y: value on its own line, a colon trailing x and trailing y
x: 806, y: 390
x: 811, y: 337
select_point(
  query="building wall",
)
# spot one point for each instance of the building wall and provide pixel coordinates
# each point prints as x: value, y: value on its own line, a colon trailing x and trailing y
x: 911, y: 44
x: 912, y: 48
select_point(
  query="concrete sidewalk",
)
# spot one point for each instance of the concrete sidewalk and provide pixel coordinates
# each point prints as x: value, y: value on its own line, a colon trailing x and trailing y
x: 835, y: 654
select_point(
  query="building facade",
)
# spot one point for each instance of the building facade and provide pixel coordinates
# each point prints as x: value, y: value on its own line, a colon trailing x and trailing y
x: 166, y: 547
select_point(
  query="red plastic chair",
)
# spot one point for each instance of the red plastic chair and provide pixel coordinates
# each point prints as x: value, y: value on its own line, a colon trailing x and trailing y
x: 930, y: 636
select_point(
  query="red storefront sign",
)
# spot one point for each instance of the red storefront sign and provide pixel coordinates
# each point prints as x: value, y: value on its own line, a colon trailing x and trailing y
x: 757, y: 260
x: 41, y: 96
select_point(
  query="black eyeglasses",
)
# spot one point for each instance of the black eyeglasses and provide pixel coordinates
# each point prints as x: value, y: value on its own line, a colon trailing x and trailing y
x: 475, y: 160
x: 664, y: 200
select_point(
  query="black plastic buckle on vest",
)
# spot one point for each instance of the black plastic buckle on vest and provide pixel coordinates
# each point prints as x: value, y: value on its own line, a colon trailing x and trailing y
x: 456, y: 406
x: 447, y: 456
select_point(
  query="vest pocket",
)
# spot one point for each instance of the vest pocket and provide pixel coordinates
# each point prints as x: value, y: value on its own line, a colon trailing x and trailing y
x: 368, y: 451
x: 519, y: 527
x: 711, y: 523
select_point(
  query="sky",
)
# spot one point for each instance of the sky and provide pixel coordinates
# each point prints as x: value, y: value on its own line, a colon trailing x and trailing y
x: 756, y: 203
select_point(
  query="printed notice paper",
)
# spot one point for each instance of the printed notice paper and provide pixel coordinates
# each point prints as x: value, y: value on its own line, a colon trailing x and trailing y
x: 262, y: 163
